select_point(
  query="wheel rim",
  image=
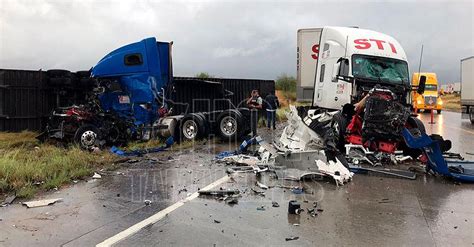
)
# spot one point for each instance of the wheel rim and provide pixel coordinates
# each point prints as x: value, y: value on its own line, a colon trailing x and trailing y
x: 88, y: 138
x: 228, y: 125
x: 190, y: 129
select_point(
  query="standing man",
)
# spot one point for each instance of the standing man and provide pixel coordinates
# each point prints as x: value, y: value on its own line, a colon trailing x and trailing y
x: 272, y: 104
x: 254, y: 103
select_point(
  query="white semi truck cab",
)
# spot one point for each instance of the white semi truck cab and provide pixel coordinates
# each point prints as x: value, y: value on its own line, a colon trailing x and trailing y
x: 343, y: 62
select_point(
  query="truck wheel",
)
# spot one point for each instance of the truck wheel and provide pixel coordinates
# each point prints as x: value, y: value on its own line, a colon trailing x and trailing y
x: 58, y: 73
x: 228, y: 125
x: 416, y: 128
x: 415, y: 123
x: 83, y: 74
x: 191, y: 128
x: 439, y: 111
x: 87, y: 136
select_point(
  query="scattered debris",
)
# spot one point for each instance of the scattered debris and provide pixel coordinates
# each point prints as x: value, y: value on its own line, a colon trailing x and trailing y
x: 41, y: 203
x: 261, y: 208
x: 9, y: 200
x: 147, y: 202
x: 291, y: 238
x: 275, y: 204
x: 262, y: 186
x: 293, y: 207
x: 96, y: 176
x: 258, y: 192
x: 217, y: 221
x: 218, y: 192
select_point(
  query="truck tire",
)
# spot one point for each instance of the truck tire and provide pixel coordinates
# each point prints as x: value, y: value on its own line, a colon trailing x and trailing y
x: 205, y: 124
x: 415, y: 123
x: 83, y: 74
x: 58, y: 73
x: 87, y: 136
x: 191, y: 127
x: 228, y: 124
x: 416, y: 128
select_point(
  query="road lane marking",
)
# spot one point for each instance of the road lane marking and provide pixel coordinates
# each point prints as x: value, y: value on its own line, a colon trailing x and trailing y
x: 158, y: 216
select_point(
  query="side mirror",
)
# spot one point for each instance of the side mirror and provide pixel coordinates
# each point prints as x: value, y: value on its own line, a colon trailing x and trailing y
x: 342, y: 70
x: 421, y: 85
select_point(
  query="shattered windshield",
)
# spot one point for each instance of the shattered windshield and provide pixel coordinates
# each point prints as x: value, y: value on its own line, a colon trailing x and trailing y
x: 380, y: 69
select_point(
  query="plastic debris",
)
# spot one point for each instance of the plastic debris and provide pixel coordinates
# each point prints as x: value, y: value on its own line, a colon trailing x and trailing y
x: 262, y: 186
x: 261, y: 208
x: 41, y: 203
x: 96, y: 176
x: 147, y: 202
x: 275, y: 204
x: 291, y: 238
x: 293, y: 206
x: 139, y: 152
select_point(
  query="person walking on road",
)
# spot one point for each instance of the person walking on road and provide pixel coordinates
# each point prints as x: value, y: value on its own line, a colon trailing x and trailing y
x: 272, y: 104
x: 254, y: 103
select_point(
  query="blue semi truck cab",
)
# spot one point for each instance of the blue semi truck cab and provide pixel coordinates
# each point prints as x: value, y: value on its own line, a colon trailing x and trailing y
x: 137, y: 98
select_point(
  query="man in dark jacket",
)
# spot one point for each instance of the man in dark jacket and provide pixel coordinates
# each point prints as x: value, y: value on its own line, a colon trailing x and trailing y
x: 272, y: 104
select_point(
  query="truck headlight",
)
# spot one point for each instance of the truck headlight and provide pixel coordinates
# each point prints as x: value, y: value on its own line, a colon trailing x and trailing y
x: 440, y: 102
x: 419, y: 102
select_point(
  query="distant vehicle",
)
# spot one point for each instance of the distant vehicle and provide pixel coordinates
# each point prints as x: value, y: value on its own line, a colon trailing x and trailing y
x: 430, y: 99
x: 467, y: 87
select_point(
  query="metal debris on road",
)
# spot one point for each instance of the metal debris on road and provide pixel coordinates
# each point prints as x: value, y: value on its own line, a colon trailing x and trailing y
x: 9, y: 200
x: 96, y: 176
x: 261, y: 186
x: 293, y: 206
x: 41, y: 203
x: 291, y: 238
x: 218, y: 192
x: 275, y: 204
x: 217, y: 221
x: 147, y: 202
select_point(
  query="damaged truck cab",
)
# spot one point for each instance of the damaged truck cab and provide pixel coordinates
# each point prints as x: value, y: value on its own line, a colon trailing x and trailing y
x: 136, y: 97
x: 364, y: 73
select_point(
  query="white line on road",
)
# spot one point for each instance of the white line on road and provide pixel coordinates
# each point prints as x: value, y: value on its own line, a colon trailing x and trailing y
x: 156, y: 217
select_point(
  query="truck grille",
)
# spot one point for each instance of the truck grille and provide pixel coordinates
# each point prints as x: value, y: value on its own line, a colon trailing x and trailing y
x: 430, y: 98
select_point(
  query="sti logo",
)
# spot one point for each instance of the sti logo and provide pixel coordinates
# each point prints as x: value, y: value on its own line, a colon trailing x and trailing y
x: 363, y: 44
x: 315, y: 49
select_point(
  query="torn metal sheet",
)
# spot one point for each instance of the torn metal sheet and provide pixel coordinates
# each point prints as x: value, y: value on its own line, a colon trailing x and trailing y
x: 218, y: 192
x: 384, y: 171
x: 297, y: 136
x: 41, y: 203
x: 310, y: 163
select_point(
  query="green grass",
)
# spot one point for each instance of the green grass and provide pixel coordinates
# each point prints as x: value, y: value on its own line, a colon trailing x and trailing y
x: 27, y: 166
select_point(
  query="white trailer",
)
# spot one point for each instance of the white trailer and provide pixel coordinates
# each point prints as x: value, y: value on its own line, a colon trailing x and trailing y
x: 467, y: 87
x: 307, y: 53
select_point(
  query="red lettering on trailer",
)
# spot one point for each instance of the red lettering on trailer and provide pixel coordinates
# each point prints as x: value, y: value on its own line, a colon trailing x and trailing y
x: 362, y: 44
x: 378, y: 42
x: 315, y: 49
x: 393, y: 48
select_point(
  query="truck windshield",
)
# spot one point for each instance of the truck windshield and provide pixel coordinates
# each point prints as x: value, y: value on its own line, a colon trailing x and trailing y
x: 380, y: 69
x: 430, y: 87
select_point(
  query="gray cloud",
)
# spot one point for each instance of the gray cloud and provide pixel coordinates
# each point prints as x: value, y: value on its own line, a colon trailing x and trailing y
x: 230, y: 39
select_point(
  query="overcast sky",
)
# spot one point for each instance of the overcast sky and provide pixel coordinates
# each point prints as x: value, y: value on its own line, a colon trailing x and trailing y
x: 244, y: 39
